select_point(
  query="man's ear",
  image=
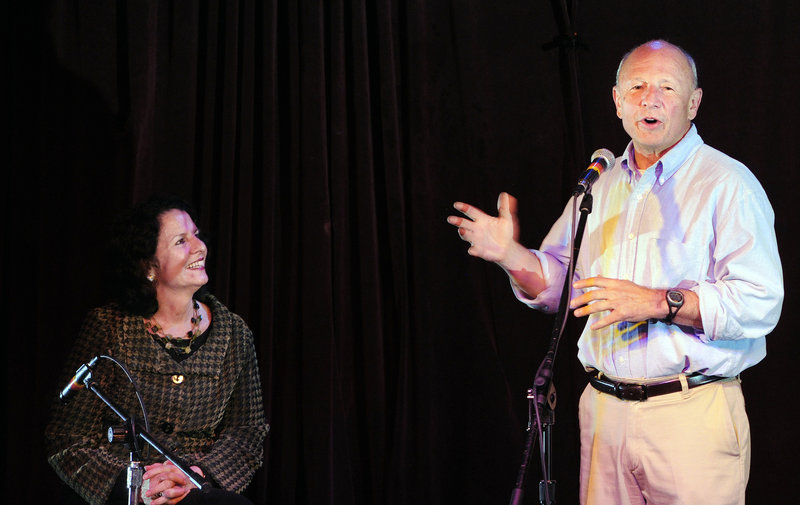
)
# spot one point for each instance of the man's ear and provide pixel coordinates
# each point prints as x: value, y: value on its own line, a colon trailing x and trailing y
x: 694, y: 102
x: 615, y: 95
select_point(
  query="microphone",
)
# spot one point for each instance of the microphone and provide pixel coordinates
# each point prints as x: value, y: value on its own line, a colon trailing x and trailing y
x: 601, y: 160
x: 76, y: 383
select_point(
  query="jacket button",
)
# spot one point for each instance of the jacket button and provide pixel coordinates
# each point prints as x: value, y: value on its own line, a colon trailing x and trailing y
x: 167, y: 427
x: 177, y: 379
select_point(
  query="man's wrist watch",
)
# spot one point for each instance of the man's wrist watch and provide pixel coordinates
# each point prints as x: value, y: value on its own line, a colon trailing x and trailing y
x: 674, y: 302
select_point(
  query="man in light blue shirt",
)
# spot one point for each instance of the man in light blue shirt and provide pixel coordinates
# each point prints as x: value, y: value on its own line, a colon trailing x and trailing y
x: 680, y: 276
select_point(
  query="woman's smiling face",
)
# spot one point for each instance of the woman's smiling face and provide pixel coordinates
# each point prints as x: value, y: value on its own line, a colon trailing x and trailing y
x: 180, y: 254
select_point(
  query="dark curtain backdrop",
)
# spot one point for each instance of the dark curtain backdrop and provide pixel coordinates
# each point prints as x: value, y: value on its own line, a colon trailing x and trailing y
x: 323, y: 144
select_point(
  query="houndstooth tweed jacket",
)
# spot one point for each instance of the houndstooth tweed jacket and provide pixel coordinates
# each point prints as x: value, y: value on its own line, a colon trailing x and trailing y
x: 206, y: 409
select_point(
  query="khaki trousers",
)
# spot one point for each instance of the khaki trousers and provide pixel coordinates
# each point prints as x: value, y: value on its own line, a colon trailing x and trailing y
x: 691, y: 447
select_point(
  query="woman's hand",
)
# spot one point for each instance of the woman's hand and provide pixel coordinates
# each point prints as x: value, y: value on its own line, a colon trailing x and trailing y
x: 168, y: 485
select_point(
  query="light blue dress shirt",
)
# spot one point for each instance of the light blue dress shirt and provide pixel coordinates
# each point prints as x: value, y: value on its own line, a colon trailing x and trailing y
x: 696, y: 220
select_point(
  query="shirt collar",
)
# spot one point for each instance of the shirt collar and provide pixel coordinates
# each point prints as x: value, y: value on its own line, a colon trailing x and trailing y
x: 670, y: 162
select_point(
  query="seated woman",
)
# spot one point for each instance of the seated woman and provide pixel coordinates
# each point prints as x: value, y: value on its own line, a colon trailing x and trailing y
x: 194, y: 363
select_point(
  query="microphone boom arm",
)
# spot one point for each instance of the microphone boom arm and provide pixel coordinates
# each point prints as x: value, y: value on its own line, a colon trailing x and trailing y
x: 194, y: 477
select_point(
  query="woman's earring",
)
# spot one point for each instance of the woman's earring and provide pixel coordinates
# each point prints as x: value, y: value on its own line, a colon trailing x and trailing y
x: 151, y: 277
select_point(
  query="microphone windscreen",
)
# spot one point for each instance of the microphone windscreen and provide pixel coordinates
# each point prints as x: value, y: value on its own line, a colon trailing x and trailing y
x: 605, y: 155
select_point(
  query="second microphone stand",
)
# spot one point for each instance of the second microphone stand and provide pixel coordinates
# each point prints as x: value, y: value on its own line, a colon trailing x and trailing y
x: 131, y: 435
x: 542, y: 396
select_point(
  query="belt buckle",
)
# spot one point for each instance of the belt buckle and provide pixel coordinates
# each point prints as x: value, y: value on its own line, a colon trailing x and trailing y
x: 631, y: 392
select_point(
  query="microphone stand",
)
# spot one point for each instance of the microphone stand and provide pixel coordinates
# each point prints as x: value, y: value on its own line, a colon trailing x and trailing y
x: 131, y: 434
x: 542, y: 396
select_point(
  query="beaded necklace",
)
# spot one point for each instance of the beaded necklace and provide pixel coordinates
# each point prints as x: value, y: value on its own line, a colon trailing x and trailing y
x: 183, y: 344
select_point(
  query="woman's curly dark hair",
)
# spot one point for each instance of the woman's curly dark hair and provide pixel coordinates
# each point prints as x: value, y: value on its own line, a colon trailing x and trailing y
x: 132, y: 253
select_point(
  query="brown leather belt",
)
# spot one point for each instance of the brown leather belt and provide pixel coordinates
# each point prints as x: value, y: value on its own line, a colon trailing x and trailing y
x: 640, y: 392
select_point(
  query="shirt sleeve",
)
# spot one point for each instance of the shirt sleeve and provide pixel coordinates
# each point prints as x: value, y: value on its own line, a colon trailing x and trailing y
x: 744, y: 294
x: 553, y: 255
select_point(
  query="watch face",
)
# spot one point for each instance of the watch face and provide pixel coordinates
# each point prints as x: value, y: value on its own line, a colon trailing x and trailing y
x: 675, y: 297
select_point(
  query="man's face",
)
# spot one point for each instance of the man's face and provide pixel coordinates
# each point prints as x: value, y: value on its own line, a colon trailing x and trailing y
x: 656, y: 98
